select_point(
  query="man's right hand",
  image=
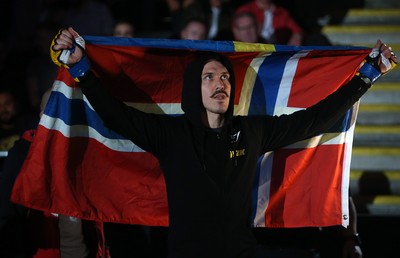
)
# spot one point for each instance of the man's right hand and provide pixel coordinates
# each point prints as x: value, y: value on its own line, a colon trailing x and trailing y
x: 67, y: 48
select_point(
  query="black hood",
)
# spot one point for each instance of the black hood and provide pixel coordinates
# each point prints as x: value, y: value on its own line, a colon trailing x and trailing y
x: 192, y: 103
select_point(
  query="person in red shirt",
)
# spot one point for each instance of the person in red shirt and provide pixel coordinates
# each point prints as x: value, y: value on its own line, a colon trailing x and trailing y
x: 276, y: 23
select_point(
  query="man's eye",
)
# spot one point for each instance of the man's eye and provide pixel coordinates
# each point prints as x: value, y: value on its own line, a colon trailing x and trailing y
x: 207, y: 77
x: 225, y: 77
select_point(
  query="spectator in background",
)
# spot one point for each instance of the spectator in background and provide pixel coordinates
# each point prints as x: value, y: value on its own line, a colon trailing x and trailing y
x: 28, y: 15
x: 12, y: 122
x: 4, y: 52
x: 219, y: 15
x: 245, y: 28
x: 25, y: 232
x: 175, y: 8
x: 40, y: 71
x: 216, y: 13
x: 276, y: 24
x: 124, y: 28
x: 194, y: 29
x: 91, y: 17
x: 26, y: 19
x: 315, y: 37
x: 13, y: 74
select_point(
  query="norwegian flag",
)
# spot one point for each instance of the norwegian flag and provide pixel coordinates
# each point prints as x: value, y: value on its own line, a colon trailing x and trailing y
x: 80, y: 168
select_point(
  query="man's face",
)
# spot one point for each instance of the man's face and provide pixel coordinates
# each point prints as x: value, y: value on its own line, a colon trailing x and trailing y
x: 194, y: 31
x: 7, y: 107
x: 215, y: 87
x: 215, y: 3
x: 263, y: 3
x: 245, y: 30
x: 124, y: 30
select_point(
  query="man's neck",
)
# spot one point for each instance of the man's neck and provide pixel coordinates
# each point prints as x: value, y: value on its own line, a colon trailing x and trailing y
x: 213, y: 120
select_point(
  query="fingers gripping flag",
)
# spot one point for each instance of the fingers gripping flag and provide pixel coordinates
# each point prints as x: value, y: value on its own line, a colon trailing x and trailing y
x: 78, y: 167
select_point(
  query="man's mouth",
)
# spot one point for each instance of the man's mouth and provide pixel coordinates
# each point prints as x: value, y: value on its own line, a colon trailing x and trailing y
x: 220, y: 95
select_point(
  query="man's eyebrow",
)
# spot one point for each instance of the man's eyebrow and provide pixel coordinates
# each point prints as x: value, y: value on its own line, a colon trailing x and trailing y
x: 213, y: 72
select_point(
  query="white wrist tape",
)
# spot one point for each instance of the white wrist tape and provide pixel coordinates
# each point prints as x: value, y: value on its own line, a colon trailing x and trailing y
x: 386, y: 62
x: 80, y: 42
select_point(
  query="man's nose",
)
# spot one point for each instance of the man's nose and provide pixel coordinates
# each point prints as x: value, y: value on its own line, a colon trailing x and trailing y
x: 220, y: 85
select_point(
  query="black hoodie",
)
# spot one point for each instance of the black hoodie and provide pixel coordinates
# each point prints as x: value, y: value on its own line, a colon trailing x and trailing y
x: 209, y: 174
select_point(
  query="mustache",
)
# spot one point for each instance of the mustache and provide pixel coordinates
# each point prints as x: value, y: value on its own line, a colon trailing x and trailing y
x: 219, y: 92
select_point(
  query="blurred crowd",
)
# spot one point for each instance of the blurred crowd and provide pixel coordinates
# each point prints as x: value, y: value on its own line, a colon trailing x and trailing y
x: 29, y: 25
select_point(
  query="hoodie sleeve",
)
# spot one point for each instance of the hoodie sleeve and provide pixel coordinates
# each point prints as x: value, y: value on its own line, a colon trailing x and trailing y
x: 143, y: 129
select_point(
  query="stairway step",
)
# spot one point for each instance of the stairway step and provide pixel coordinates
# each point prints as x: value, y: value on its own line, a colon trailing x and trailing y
x: 382, y: 4
x: 378, y: 205
x: 379, y: 108
x: 367, y: 34
x: 378, y: 135
x: 374, y: 182
x: 375, y: 158
x: 384, y: 16
x: 379, y: 129
x: 378, y: 115
x: 382, y: 93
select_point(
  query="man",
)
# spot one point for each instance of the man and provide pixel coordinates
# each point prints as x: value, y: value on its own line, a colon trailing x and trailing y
x: 276, y: 24
x: 12, y: 122
x: 194, y: 29
x: 26, y: 232
x: 209, y: 156
x: 245, y: 28
x: 124, y: 28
